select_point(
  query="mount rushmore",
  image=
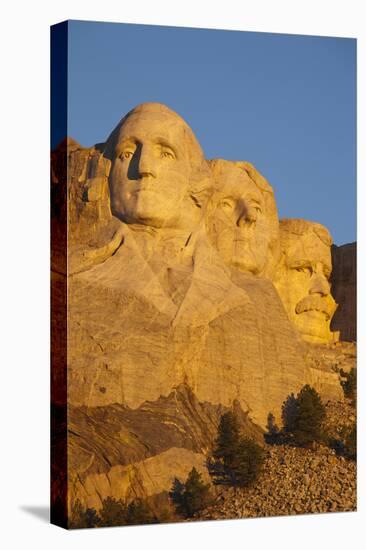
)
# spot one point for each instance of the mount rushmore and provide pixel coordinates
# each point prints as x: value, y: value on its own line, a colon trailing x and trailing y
x: 177, y: 294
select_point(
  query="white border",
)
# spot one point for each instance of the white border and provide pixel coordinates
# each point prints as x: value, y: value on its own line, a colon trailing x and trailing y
x: 25, y: 238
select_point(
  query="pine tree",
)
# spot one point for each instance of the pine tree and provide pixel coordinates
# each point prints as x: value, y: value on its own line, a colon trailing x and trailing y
x: 228, y: 437
x: 289, y: 413
x: 307, y: 426
x: 196, y: 493
x: 273, y: 432
x: 113, y: 512
x: 349, y: 384
x: 245, y: 466
x: 271, y: 424
x: 83, y: 517
x: 350, y: 443
x: 238, y: 460
x: 139, y: 513
x: 177, y: 495
x: 191, y: 496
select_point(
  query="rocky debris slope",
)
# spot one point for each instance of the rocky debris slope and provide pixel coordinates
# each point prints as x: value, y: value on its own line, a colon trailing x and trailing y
x: 332, y: 357
x: 340, y: 416
x: 325, y: 362
x: 295, y: 480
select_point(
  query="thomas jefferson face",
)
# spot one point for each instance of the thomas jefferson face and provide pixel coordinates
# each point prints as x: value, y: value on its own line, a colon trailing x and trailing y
x: 237, y: 223
x: 303, y: 283
x: 151, y: 170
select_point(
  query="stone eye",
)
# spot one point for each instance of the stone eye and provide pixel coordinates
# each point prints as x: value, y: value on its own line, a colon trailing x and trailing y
x: 303, y: 269
x: 226, y: 204
x: 167, y: 154
x: 126, y: 154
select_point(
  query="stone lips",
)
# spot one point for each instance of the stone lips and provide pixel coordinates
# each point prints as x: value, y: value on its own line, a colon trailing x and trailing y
x: 158, y: 322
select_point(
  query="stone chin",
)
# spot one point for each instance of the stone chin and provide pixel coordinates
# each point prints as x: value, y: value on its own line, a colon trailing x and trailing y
x: 247, y: 265
x: 244, y: 259
x: 144, y: 211
x: 314, y: 326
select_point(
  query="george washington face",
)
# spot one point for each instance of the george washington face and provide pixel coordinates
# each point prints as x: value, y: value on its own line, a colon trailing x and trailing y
x: 151, y: 171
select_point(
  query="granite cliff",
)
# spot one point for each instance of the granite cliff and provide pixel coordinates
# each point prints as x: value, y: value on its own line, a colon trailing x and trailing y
x: 164, y: 330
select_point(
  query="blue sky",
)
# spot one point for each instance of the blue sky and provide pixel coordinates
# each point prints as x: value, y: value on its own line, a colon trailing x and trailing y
x: 286, y: 103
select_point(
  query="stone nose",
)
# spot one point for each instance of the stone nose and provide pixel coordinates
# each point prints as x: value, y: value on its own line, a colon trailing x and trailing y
x: 246, y: 215
x: 146, y: 162
x: 319, y: 285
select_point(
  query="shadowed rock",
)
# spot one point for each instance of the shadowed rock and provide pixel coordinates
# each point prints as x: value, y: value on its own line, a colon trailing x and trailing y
x: 343, y: 280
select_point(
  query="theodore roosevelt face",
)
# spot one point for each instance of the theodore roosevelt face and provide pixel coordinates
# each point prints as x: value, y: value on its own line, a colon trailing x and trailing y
x: 303, y: 278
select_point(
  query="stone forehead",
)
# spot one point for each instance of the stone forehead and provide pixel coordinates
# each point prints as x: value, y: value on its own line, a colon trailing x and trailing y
x: 156, y: 112
x: 154, y: 107
x: 261, y: 184
x: 146, y: 115
x: 242, y: 172
x: 291, y: 229
x: 229, y: 177
x: 146, y: 112
x: 148, y: 126
x: 259, y: 180
x: 308, y: 248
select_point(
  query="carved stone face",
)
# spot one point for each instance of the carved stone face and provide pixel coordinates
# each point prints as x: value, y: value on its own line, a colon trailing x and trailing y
x: 151, y: 170
x: 238, y: 222
x: 302, y: 279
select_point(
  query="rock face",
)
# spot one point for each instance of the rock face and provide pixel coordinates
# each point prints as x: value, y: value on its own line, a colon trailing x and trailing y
x: 122, y: 331
x: 332, y: 357
x: 241, y: 218
x: 93, y: 233
x: 156, y: 332
x: 127, y: 453
x: 344, y: 290
x: 302, y: 278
